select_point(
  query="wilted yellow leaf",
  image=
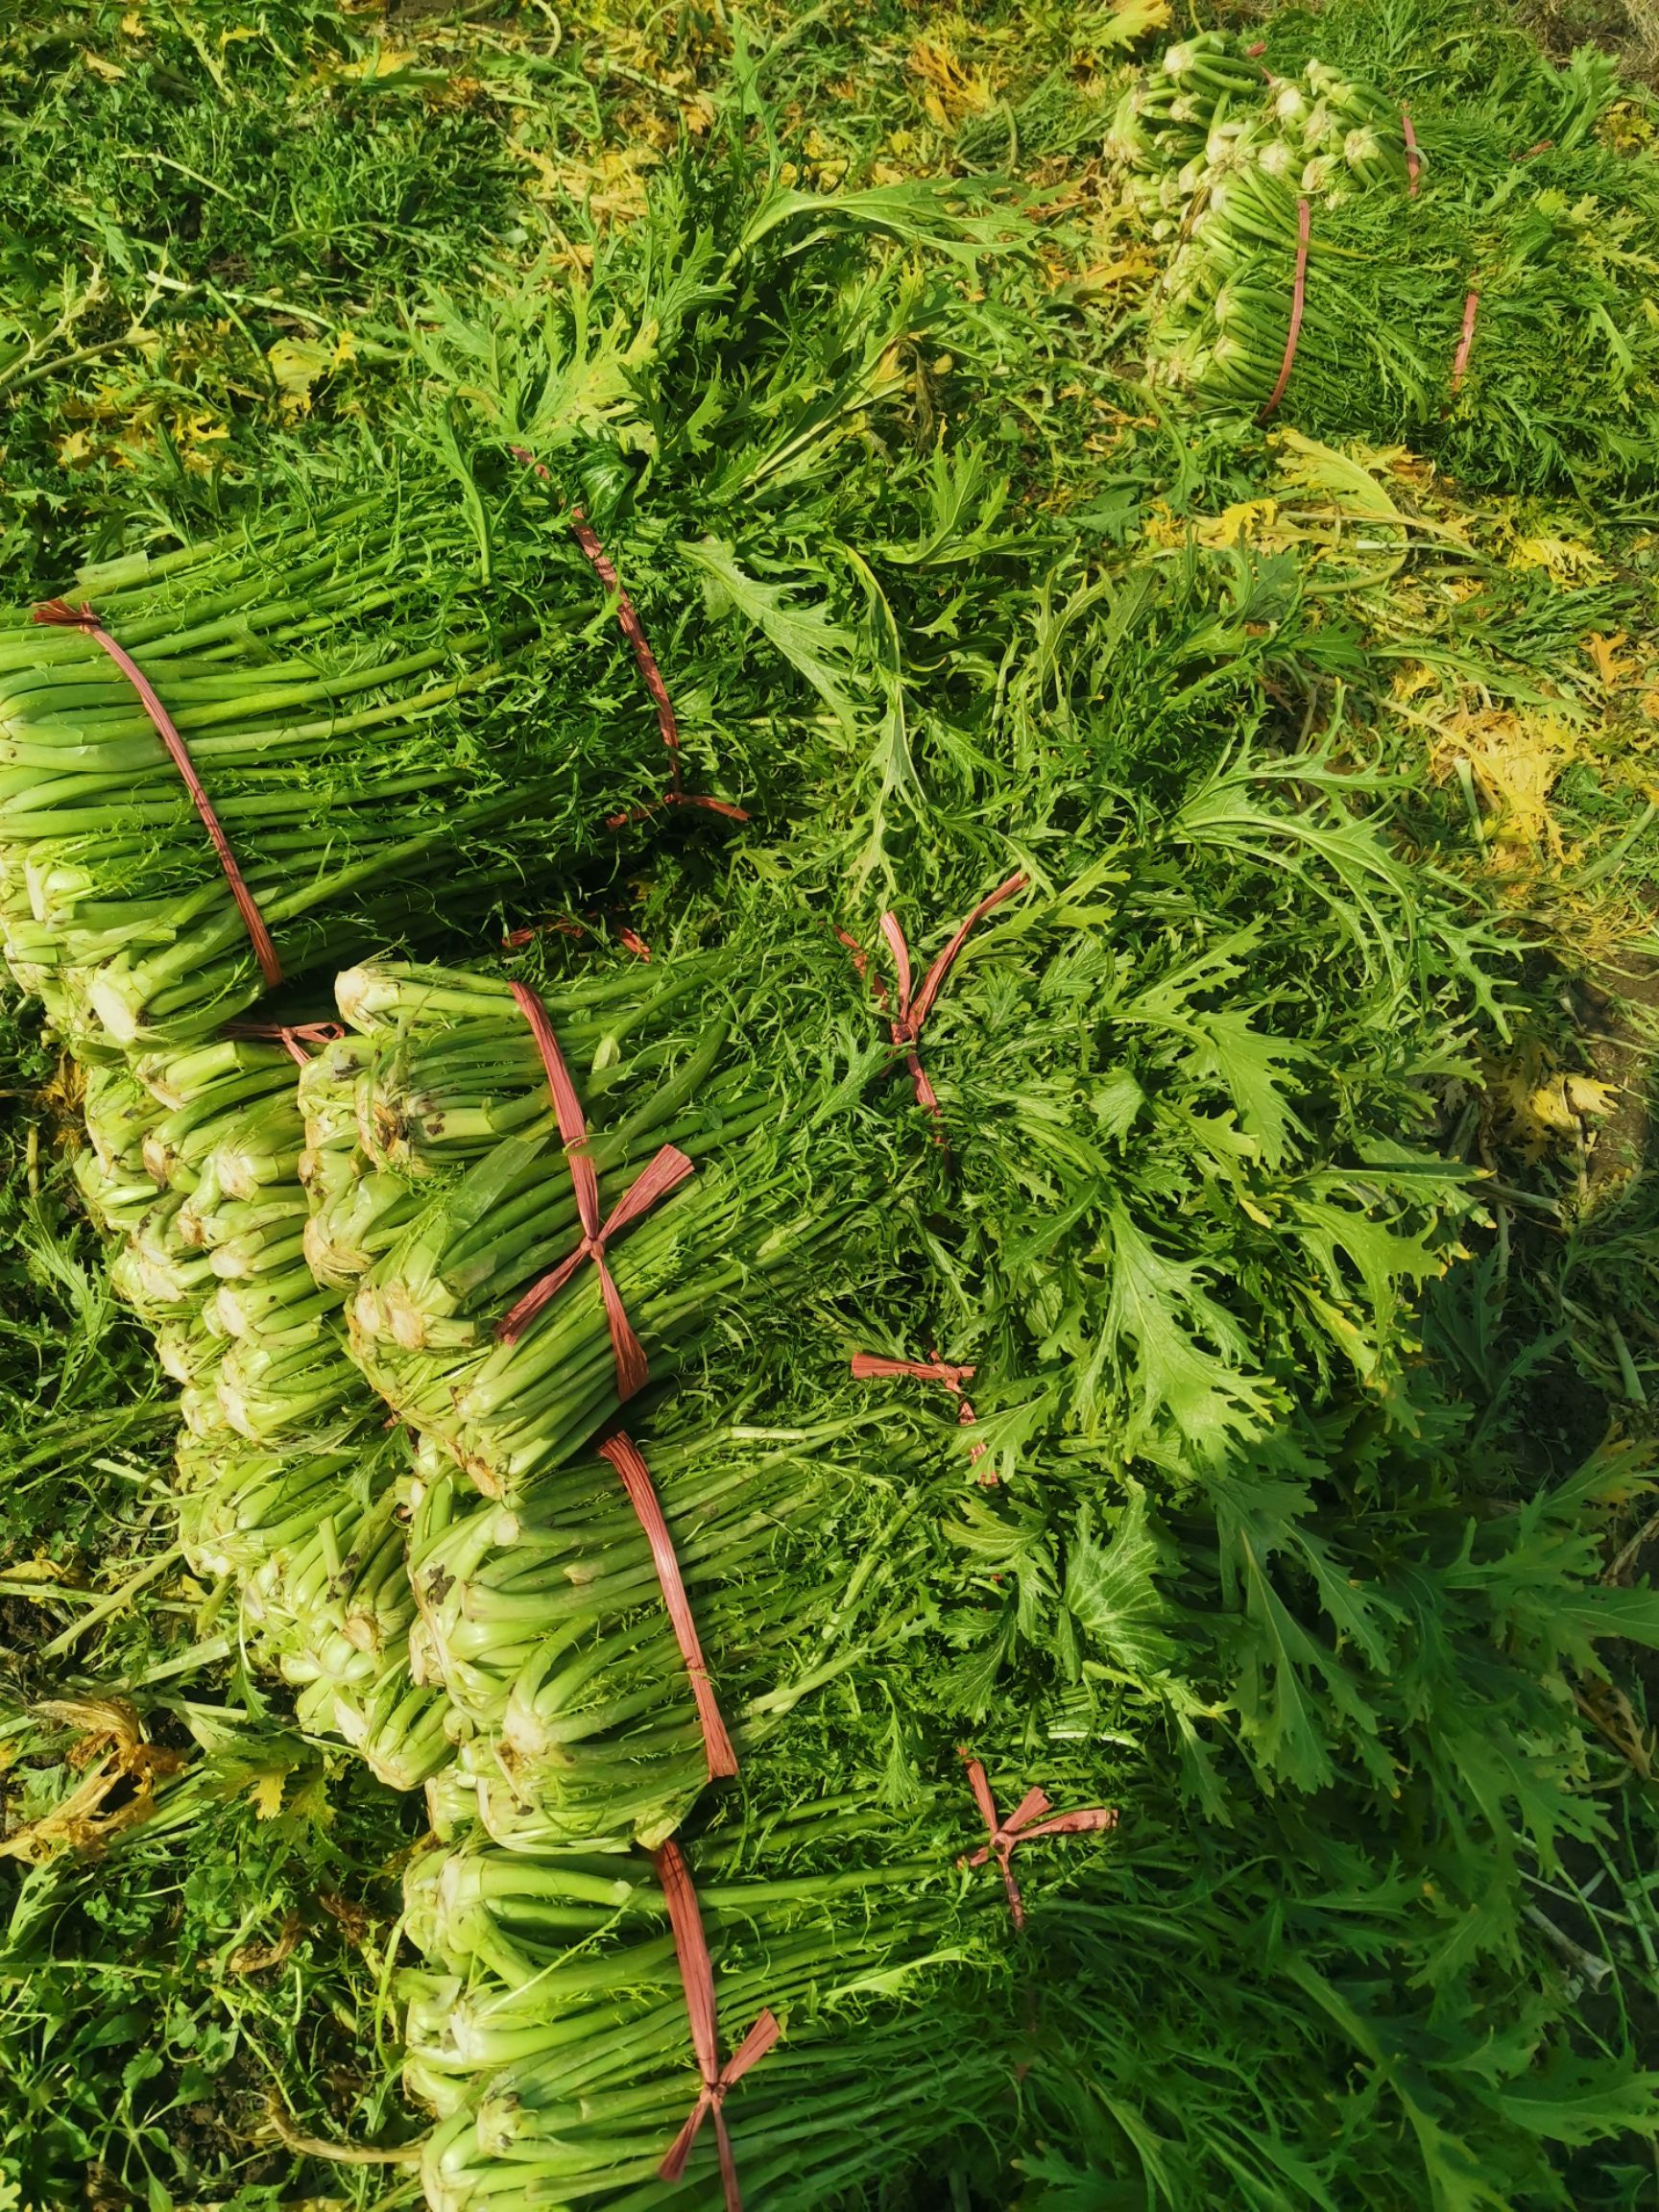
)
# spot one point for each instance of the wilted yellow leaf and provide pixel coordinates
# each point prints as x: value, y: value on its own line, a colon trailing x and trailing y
x: 133, y: 24
x: 1604, y: 653
x: 384, y: 61
x: 297, y: 363
x: 1564, y: 560
x: 1120, y: 26
x: 953, y: 88
x: 1538, y: 1104
x: 1414, y: 676
x: 266, y: 1791
x: 1346, y: 482
x: 1248, y: 522
x: 109, y: 71
x: 1585, y: 1096
x: 1515, y: 757
x: 75, y: 449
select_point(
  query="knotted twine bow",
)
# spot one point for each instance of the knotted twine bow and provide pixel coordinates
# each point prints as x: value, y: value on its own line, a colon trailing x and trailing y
x: 666, y: 1172
x: 1298, y: 301
x: 292, y: 1036
x: 633, y: 630
x: 1470, y: 306
x: 697, y: 1973
x: 58, y: 613
x: 625, y: 1455
x: 871, y: 1366
x: 905, y: 1024
x: 1022, y: 1825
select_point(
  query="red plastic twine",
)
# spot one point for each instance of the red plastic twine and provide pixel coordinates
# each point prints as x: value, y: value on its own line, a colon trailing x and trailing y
x: 1023, y: 1823
x: 59, y: 613
x: 665, y: 1172
x: 633, y: 630
x: 1298, y: 301
x: 292, y: 1036
x: 871, y: 1366
x: 1466, y: 341
x: 1413, y: 161
x: 625, y: 1455
x: 905, y: 1025
x: 697, y: 1973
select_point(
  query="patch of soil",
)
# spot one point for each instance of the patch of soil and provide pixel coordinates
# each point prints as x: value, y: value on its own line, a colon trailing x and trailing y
x: 1617, y: 1016
x: 1627, y: 27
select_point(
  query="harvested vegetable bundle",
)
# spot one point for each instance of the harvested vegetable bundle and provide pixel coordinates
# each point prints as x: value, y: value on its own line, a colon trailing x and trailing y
x: 287, y: 1475
x: 313, y: 1537
x: 1187, y: 1092
x: 512, y: 1316
x: 360, y: 713
x: 557, y: 2046
x: 1369, y: 270
x: 637, y: 1624
x: 1234, y: 2048
x: 215, y: 1261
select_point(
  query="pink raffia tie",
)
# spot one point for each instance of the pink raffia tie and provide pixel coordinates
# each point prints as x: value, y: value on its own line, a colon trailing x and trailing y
x: 666, y: 1172
x: 1413, y: 159
x: 1024, y: 1823
x: 1298, y: 303
x: 292, y: 1036
x: 58, y: 613
x: 628, y: 1461
x: 697, y: 1974
x: 904, y: 1022
x: 872, y: 1366
x: 633, y: 630
x: 1471, y: 306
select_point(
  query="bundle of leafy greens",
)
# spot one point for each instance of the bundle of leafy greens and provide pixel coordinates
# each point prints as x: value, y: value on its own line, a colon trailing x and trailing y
x: 551, y: 2029
x: 1476, y: 290
x: 1238, y: 2057
x: 805, y: 1555
x: 725, y: 1088
x: 399, y: 679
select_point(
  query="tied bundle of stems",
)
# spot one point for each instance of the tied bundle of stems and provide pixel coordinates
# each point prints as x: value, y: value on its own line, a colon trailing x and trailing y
x: 313, y: 1538
x: 286, y: 1472
x: 551, y: 2032
x: 348, y: 696
x: 548, y: 1624
x: 403, y: 689
x: 1488, y: 314
x: 440, y: 1065
x: 747, y: 1077
x: 215, y: 1263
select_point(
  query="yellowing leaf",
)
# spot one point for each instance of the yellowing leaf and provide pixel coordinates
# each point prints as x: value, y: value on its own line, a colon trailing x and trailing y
x: 133, y: 24
x: 109, y: 71
x: 384, y: 61
x: 1537, y: 1104
x: 1604, y: 653
x: 1563, y: 560
x: 1248, y: 522
x: 1515, y: 757
x: 1346, y: 482
x: 1585, y: 1096
x: 1120, y: 26
x: 296, y: 365
x: 953, y: 88
x: 75, y: 449
x: 266, y: 1791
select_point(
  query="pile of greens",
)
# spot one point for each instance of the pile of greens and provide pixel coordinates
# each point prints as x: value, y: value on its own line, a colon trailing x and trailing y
x: 1094, y: 1360
x: 1475, y: 291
